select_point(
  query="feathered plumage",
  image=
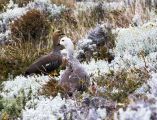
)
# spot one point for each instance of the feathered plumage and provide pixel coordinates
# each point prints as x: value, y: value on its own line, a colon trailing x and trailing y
x: 50, y: 62
x: 74, y: 77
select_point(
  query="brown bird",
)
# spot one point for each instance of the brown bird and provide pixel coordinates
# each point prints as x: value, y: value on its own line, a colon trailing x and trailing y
x: 50, y: 62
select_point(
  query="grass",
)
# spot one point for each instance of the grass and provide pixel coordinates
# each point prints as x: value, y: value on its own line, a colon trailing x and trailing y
x: 67, y: 3
x: 16, y: 58
x: 19, y: 55
x: 33, y: 26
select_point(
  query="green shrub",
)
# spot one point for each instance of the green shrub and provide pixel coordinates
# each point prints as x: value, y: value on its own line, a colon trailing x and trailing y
x: 122, y: 83
x: 11, y: 108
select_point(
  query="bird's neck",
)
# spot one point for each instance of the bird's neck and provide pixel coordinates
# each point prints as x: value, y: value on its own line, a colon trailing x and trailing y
x: 55, y: 41
x: 56, y: 49
x: 70, y: 52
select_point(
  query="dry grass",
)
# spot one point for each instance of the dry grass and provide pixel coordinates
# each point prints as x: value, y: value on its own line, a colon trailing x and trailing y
x: 67, y: 3
x: 119, y: 18
x: 52, y: 88
x: 17, y: 57
x: 21, y: 54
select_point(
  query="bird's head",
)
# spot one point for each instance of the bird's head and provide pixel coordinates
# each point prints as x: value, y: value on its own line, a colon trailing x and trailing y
x: 56, y: 35
x: 67, y: 43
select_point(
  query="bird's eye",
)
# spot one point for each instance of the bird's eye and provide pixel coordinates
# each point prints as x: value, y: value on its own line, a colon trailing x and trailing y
x: 62, y: 40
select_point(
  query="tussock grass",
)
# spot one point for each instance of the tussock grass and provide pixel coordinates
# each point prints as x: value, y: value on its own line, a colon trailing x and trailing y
x: 19, y: 55
x: 33, y: 26
x: 67, y: 3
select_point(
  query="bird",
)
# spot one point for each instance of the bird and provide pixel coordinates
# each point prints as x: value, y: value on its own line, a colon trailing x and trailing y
x: 48, y: 63
x: 74, y: 76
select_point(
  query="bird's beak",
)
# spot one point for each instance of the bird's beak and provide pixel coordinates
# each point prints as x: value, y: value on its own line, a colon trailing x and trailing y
x: 61, y: 46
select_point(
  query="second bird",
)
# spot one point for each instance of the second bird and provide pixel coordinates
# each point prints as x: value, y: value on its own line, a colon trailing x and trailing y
x: 50, y: 62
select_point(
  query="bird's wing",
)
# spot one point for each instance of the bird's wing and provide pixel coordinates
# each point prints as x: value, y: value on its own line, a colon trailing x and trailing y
x: 45, y: 64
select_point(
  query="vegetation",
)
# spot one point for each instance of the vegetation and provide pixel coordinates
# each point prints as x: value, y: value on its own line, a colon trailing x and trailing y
x: 31, y: 34
x: 3, y: 3
x: 22, y: 3
x: 52, y: 88
x: 67, y: 3
x: 31, y: 38
x: 11, y: 109
x: 16, y: 58
x: 33, y: 26
x: 122, y: 83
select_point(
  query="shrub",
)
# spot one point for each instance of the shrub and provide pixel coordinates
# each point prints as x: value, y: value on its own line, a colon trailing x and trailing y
x: 119, y: 85
x: 22, y: 3
x: 3, y: 4
x: 33, y: 26
x: 52, y: 88
x: 12, y: 108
